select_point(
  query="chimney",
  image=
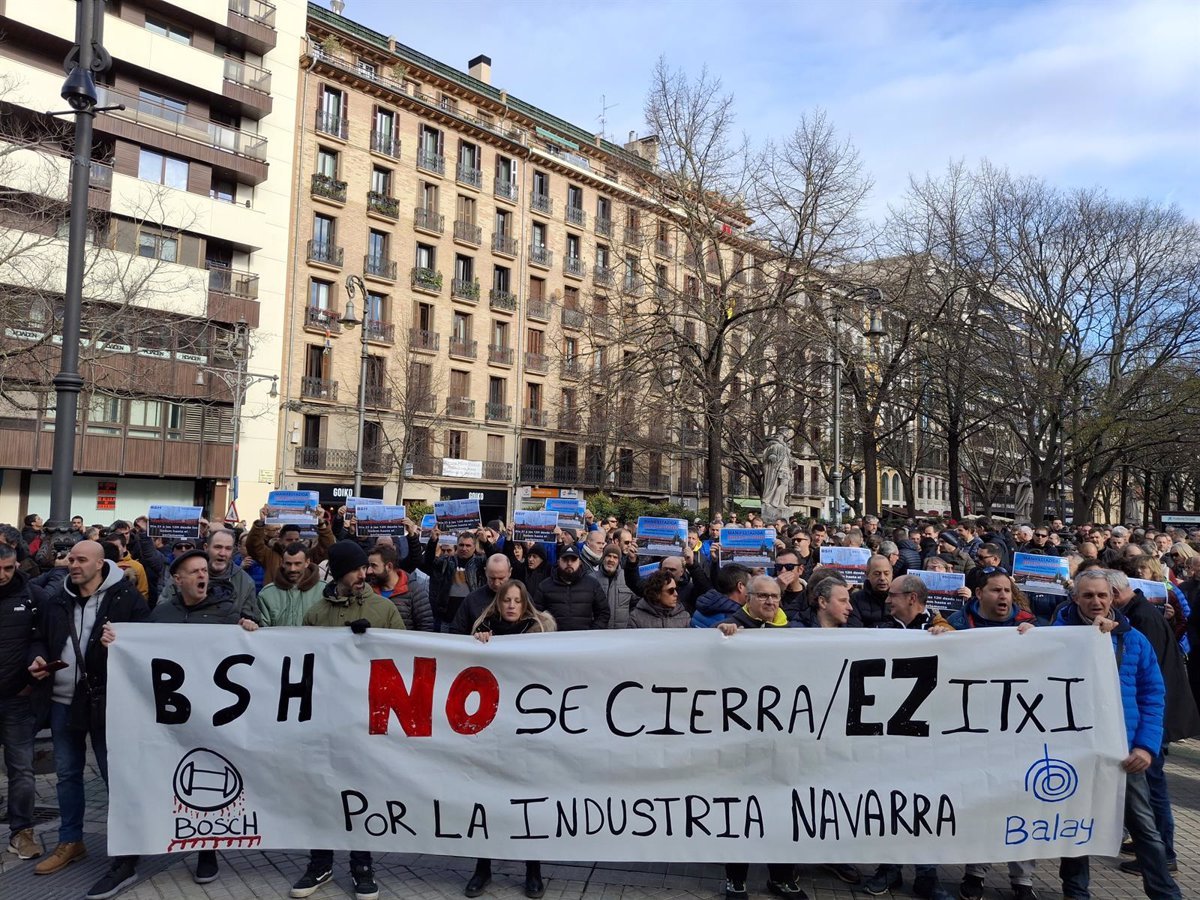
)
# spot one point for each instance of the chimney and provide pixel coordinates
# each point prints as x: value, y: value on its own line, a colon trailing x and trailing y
x: 481, y: 68
x: 337, y: 6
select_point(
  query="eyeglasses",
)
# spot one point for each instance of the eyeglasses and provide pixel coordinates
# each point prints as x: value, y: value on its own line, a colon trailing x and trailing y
x: 787, y: 567
x: 757, y: 596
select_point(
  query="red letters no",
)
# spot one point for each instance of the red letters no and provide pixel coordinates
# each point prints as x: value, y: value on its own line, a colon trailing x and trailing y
x: 474, y: 680
x: 388, y: 694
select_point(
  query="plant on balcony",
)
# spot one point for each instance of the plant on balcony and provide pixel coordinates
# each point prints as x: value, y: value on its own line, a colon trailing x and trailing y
x: 330, y: 45
x: 389, y: 206
x: 428, y: 279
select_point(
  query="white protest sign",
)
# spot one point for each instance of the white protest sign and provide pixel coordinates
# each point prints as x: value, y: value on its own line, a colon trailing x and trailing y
x: 943, y: 588
x: 848, y: 562
x: 602, y: 746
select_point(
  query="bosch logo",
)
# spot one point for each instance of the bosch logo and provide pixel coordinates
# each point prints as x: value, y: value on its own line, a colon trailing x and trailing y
x: 206, y: 781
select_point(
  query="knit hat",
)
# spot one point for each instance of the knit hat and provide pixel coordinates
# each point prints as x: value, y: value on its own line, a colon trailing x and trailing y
x: 611, y: 549
x: 345, y: 556
x: 950, y: 538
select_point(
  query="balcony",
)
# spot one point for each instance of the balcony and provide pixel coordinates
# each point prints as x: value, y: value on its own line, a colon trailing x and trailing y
x: 380, y: 331
x: 500, y: 356
x: 420, y: 339
x: 259, y: 11
x: 603, y: 275
x: 430, y: 220
x: 247, y: 75
x: 662, y: 249
x: 570, y: 368
x: 463, y: 349
x: 576, y: 216
x: 696, y: 487
x: 505, y: 189
x: 497, y: 412
x: 540, y: 255
x: 383, y: 204
x: 541, y: 203
x: 233, y: 283
x: 172, y: 121
x: 604, y: 227
x: 375, y: 266
x: 538, y: 363
x: 378, y: 396
x: 568, y: 420
x: 465, y: 289
x: 468, y: 233
x: 460, y: 407
x: 427, y: 280
x: 538, y: 309
x: 333, y: 123
x: 572, y: 318
x: 431, y: 466
x: 332, y: 460
x: 632, y: 235
x: 421, y: 402
x: 328, y: 188
x: 662, y: 292
x: 573, y: 266
x: 535, y: 418
x: 470, y: 176
x: 318, y: 388
x: 571, y: 476
x: 325, y: 253
x: 505, y: 300
x: 322, y: 319
x: 385, y: 143
x: 428, y: 161
x: 504, y: 244
x: 632, y: 287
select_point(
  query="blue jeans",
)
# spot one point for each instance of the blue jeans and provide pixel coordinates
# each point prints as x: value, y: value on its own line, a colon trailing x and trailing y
x: 1160, y: 802
x: 70, y: 757
x: 1151, y: 854
x: 16, y: 737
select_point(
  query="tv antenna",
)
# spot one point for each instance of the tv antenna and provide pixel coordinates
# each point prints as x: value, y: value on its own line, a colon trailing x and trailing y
x: 605, y: 106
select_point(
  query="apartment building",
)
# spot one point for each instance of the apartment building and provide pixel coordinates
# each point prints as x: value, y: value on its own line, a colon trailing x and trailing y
x: 187, y: 251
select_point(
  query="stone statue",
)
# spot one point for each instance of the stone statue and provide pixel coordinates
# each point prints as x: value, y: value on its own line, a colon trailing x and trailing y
x: 1023, y: 502
x: 777, y: 476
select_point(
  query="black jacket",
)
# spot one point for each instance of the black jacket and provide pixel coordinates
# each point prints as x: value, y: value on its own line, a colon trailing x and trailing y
x: 910, y: 558
x: 470, y: 609
x: 220, y: 607
x: 1181, y: 719
x: 141, y: 548
x: 870, y: 605
x: 441, y: 571
x: 21, y: 639
x: 576, y: 606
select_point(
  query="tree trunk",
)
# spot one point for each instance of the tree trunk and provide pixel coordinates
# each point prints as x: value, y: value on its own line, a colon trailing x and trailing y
x: 952, y: 456
x: 1124, y: 494
x: 1041, y: 483
x: 716, y: 485
x: 870, y: 451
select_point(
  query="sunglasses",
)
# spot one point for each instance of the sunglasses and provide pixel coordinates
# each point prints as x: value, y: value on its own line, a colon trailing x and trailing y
x: 988, y: 570
x: 670, y: 590
x: 185, y: 547
x: 1041, y: 535
x: 787, y: 567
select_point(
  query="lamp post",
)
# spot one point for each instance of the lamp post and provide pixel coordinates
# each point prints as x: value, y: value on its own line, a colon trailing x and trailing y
x: 837, y: 419
x: 238, y: 382
x: 349, y: 320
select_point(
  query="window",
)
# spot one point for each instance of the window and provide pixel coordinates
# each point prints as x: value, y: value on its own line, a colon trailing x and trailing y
x: 501, y: 278
x: 145, y: 418
x: 429, y: 151
x: 660, y: 275
x: 319, y: 294
x: 573, y: 246
x: 332, y: 105
x: 460, y: 383
x: 377, y: 249
x: 104, y: 414
x: 385, y: 128
x: 464, y: 268
x: 495, y: 448
x: 466, y: 209
x: 428, y: 195
x: 504, y: 220
x: 456, y: 444
x: 497, y: 391
x: 539, y: 236
x: 327, y: 162
x: 691, y: 286
x: 381, y: 181
x: 376, y: 310
x: 224, y: 189
x: 461, y: 327
x: 165, y: 29
x: 161, y: 106
x: 156, y: 246
x: 533, y: 393
x: 506, y: 170
x: 537, y: 288
x: 599, y: 306
x: 162, y: 169
x: 886, y: 494
x: 446, y: 102
x: 423, y: 316
x: 602, y: 256
x: 569, y: 403
x: 574, y: 197
x: 603, y: 208
x: 366, y: 69
x: 499, y: 333
x: 541, y: 184
x: 570, y: 350
x: 536, y: 339
x: 468, y: 156
x: 571, y: 298
x: 426, y: 257
x: 323, y: 233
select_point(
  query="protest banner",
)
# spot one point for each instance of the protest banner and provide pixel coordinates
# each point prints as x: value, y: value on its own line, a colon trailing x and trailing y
x: 752, y: 547
x: 534, y: 525
x: 658, y: 536
x: 1044, y: 574
x: 849, y: 562
x: 689, y: 750
x: 943, y: 588
x: 353, y: 503
x: 428, y: 523
x: 379, y: 518
x: 174, y: 523
x: 293, y: 508
x: 1154, y: 591
x: 570, y: 513
x: 457, y: 516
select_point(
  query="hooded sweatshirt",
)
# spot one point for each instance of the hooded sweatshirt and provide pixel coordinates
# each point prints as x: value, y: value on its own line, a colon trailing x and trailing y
x: 283, y: 603
x: 85, y: 619
x: 970, y: 617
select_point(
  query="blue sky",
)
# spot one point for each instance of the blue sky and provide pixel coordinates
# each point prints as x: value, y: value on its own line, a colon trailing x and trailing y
x: 1080, y: 93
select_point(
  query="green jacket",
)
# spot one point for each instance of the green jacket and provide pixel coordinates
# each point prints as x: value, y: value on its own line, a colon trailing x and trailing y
x: 333, y: 611
x: 284, y: 604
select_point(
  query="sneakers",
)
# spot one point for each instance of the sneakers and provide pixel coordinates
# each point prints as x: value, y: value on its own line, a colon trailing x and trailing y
x: 1024, y: 892
x: 1133, y: 867
x: 207, y: 867
x: 365, y: 887
x: 25, y: 845
x: 120, y: 875
x: 885, y: 879
x: 971, y: 888
x: 787, y: 889
x: 310, y: 881
x: 843, y: 872
x: 64, y: 854
x: 736, y: 890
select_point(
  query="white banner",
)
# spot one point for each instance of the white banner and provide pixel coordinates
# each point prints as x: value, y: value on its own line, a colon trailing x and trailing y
x: 801, y: 745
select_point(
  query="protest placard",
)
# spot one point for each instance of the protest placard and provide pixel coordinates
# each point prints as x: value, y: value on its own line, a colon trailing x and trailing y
x: 534, y: 525
x: 379, y: 518
x: 570, y: 514
x: 657, y: 536
x: 457, y: 516
x: 752, y: 547
x: 1154, y: 591
x: 353, y: 503
x: 943, y: 588
x: 293, y: 508
x: 174, y: 523
x: 428, y: 523
x: 197, y: 717
x: 849, y: 562
x: 1044, y: 574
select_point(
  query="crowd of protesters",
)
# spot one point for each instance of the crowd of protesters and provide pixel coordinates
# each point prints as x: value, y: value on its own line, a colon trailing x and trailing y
x: 60, y: 595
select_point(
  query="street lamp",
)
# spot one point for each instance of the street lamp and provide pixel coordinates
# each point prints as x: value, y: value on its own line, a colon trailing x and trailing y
x: 238, y: 381
x: 348, y: 320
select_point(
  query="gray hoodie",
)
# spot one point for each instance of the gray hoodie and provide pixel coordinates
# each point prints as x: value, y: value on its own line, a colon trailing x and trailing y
x: 63, y: 690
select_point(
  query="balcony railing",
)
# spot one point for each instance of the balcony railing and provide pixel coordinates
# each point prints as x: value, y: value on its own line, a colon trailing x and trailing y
x: 460, y: 407
x: 465, y: 231
x: 256, y: 10
x: 499, y: 299
x: 378, y: 330
x: 573, y: 265
x: 465, y: 289
x: 604, y: 227
x: 325, y: 252
x: 318, y: 388
x: 379, y: 267
x: 501, y: 356
x: 498, y: 412
x: 333, y: 123
x: 378, y: 396
x: 662, y: 248
x: 538, y: 309
x: 541, y: 203
x: 503, y: 243
x: 576, y: 216
x: 318, y: 317
x: 541, y: 255
x: 431, y: 162
x: 632, y: 235
x: 470, y: 176
x: 385, y: 142
x: 568, y: 420
x: 322, y: 458
x: 572, y: 476
x: 570, y: 368
x: 426, y: 279
x: 535, y: 418
x: 429, y: 220
x: 572, y: 318
x: 537, y: 362
x: 632, y: 287
x: 420, y: 339
x: 169, y: 119
x: 383, y: 204
x: 233, y: 282
x: 247, y: 75
x: 603, y: 275
x: 505, y: 189
x: 329, y: 188
x: 463, y: 349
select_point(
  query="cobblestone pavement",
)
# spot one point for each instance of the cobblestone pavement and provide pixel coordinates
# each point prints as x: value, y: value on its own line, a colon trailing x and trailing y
x: 269, y: 874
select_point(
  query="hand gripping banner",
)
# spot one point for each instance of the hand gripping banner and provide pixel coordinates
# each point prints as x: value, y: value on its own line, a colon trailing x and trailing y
x: 799, y: 745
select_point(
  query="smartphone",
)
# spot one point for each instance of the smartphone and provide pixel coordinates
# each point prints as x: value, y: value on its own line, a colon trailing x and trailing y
x: 53, y: 666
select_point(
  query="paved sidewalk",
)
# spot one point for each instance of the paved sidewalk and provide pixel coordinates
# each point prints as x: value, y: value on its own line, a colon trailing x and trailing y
x: 269, y: 874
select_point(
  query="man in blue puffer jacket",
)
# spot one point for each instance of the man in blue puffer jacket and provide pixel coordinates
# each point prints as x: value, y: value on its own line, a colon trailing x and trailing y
x: 1143, y: 700
x: 729, y: 595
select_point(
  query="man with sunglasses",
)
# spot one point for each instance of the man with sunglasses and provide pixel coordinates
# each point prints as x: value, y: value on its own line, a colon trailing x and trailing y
x: 988, y: 559
x: 789, y: 577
